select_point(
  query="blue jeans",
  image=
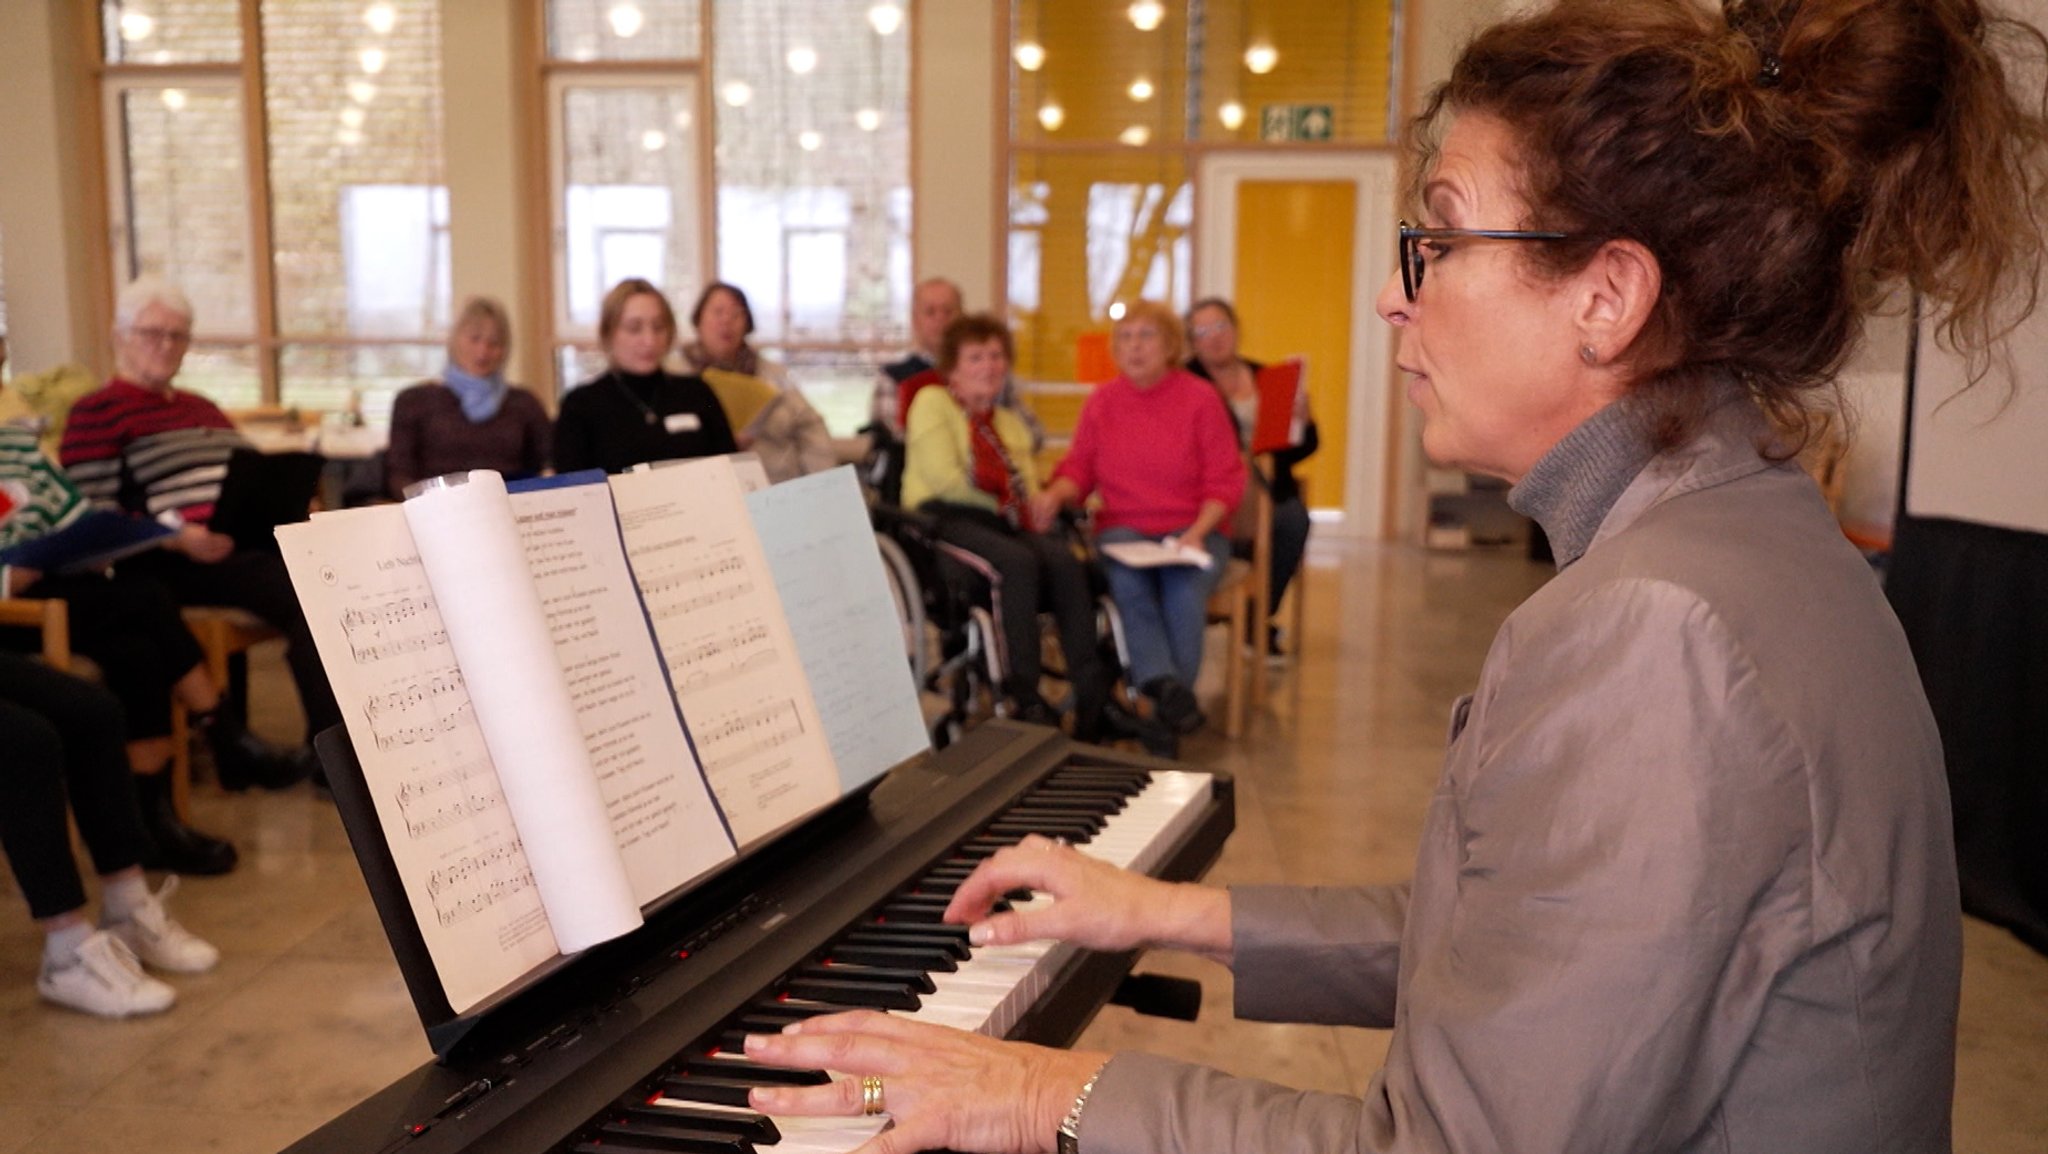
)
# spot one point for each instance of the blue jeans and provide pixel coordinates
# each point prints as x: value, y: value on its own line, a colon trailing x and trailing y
x: 1164, y: 609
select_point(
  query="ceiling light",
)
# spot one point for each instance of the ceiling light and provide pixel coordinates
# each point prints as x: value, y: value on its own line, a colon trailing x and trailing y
x: 362, y: 91
x: 684, y: 120
x: 626, y: 20
x: 809, y: 140
x: 353, y: 117
x: 1116, y: 311
x: 1030, y: 57
x: 174, y: 99
x: 869, y: 119
x: 1146, y: 14
x: 1141, y: 89
x: 1232, y: 115
x: 372, y: 60
x: 654, y: 140
x: 348, y: 137
x: 1051, y: 116
x: 886, y: 18
x: 1261, y: 58
x: 1135, y: 135
x: 137, y: 26
x: 802, y: 60
x: 381, y: 18
x: 737, y: 93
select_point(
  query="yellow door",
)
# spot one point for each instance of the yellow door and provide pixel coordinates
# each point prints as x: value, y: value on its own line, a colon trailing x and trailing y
x: 1293, y: 294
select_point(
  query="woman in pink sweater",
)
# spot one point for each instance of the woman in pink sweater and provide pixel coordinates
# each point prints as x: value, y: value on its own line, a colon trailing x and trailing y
x: 1158, y: 449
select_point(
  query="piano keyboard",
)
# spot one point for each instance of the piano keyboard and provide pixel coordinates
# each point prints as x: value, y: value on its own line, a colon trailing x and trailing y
x: 1128, y: 818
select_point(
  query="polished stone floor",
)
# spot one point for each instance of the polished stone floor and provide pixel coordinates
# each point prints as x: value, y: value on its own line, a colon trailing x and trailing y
x: 306, y: 1014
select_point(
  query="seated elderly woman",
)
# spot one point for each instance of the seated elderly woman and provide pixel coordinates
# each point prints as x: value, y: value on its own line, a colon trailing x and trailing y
x: 470, y: 418
x: 154, y: 450
x: 1212, y: 325
x: 636, y: 410
x: 1687, y: 881
x: 63, y: 742
x: 968, y: 464
x: 1157, y: 446
x: 779, y: 424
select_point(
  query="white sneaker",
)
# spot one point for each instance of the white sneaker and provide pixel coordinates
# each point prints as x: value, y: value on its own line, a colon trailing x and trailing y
x: 104, y: 978
x: 159, y: 941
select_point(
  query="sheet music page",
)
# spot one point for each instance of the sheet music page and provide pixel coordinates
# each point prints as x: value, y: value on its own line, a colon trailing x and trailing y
x: 380, y: 635
x: 470, y: 547
x: 722, y: 633
x: 821, y: 548
x: 667, y: 829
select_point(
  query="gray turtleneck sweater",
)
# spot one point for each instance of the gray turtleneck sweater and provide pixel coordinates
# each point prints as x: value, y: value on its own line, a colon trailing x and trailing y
x: 1687, y: 883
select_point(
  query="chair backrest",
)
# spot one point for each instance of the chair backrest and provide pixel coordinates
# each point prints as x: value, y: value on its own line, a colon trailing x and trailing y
x: 51, y: 615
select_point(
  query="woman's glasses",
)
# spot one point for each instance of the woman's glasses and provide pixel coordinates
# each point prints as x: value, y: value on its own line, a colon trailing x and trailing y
x: 1412, y: 238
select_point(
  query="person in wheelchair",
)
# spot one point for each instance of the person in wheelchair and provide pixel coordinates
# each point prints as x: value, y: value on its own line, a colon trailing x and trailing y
x: 968, y: 465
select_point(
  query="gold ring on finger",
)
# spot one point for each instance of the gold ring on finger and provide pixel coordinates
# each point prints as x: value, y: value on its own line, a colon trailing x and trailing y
x: 871, y: 1101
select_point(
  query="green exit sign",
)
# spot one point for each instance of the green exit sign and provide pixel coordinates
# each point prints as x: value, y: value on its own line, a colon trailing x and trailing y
x: 1296, y: 122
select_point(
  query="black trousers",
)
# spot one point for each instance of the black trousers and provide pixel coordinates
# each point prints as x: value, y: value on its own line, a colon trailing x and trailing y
x: 62, y: 736
x: 1034, y: 571
x: 130, y: 627
x: 257, y: 582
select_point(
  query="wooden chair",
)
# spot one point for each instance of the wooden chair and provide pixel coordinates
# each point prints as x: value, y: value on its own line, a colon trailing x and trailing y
x: 53, y: 617
x: 225, y: 636
x: 1239, y: 602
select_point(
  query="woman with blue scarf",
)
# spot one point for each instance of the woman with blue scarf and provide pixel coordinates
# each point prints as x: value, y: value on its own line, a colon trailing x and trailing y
x: 470, y: 418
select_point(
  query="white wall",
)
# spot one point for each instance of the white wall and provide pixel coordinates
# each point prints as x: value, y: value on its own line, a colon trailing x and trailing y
x: 958, y: 180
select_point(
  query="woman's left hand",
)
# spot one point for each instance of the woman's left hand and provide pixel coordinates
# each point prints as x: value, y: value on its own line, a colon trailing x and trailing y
x: 943, y: 1089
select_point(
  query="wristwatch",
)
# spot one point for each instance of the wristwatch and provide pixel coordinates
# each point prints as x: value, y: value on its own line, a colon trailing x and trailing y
x: 1067, y: 1139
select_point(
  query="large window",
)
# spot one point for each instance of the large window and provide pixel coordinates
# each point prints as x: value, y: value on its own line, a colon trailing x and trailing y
x: 781, y: 164
x: 1110, y: 106
x: 311, y: 231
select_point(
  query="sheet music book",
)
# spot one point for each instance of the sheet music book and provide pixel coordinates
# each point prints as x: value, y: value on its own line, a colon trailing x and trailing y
x: 719, y: 624
x: 1281, y: 420
x: 821, y: 549
x: 514, y: 723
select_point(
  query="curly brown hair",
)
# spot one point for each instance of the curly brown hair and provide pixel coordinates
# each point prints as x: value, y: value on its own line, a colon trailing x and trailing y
x: 1785, y: 164
x: 972, y: 329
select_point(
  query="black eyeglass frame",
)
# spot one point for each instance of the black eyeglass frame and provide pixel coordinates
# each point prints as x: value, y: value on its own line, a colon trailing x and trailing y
x: 1412, y: 237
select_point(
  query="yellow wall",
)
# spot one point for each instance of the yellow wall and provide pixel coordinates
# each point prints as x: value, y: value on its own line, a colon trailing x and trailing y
x: 1293, y: 296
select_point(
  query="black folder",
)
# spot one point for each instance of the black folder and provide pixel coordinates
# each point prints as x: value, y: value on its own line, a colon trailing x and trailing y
x: 262, y: 491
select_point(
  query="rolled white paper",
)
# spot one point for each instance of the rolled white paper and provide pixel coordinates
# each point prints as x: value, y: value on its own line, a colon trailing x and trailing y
x: 469, y: 546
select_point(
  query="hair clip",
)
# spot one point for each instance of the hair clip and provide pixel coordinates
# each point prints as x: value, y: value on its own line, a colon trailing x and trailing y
x: 1771, y: 73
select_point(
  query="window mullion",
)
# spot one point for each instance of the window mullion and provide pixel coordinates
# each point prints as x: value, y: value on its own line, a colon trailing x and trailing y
x: 262, y: 265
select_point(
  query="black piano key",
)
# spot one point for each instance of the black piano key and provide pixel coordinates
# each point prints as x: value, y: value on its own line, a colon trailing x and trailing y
x: 634, y: 1134
x: 704, y: 1088
x: 907, y: 937
x: 1039, y: 819
x: 936, y: 901
x: 852, y: 995
x: 756, y: 1128
x: 910, y: 957
x: 744, y: 1070
x: 995, y: 841
x: 914, y: 979
x: 1059, y: 808
x: 1110, y: 799
x: 930, y: 887
x: 779, y: 1008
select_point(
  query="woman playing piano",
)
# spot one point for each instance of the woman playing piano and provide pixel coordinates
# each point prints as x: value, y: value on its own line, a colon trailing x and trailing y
x: 1687, y: 882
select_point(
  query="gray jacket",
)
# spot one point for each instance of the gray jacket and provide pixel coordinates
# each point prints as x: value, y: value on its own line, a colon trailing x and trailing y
x: 1687, y: 882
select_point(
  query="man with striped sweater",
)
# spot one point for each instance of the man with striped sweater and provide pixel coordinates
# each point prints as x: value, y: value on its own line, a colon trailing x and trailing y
x: 155, y: 450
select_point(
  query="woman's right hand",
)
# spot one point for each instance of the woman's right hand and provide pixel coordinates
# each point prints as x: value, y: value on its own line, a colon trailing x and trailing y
x: 1045, y: 509
x: 201, y: 544
x: 1095, y: 904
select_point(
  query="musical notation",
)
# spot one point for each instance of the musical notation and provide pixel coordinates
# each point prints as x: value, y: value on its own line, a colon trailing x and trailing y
x: 457, y: 909
x: 435, y: 686
x: 470, y: 867
x: 729, y: 653
x: 433, y: 821
x: 418, y: 789
x: 389, y: 739
x: 736, y: 737
x: 397, y: 611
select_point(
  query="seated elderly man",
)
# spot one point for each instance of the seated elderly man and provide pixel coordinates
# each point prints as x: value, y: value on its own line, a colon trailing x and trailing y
x: 159, y: 451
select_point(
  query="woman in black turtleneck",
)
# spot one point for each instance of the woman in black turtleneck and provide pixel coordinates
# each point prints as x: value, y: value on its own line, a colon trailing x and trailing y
x: 635, y: 410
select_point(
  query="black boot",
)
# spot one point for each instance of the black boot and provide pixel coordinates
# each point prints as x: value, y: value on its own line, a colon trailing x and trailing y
x: 177, y: 847
x: 242, y: 759
x: 1175, y: 705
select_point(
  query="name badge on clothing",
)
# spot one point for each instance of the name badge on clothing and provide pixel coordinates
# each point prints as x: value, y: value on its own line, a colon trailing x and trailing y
x: 682, y: 422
